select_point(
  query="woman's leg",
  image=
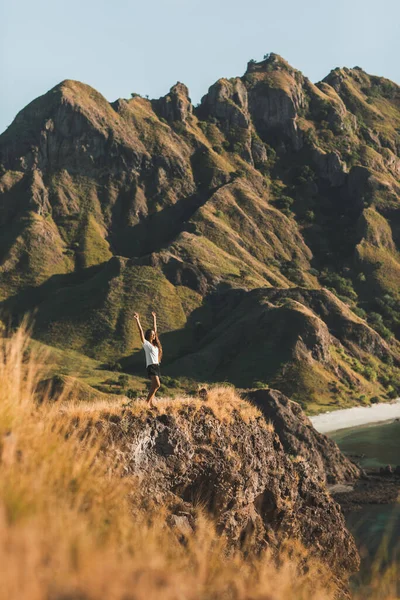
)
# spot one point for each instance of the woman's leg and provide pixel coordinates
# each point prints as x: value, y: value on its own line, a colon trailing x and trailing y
x: 155, y: 385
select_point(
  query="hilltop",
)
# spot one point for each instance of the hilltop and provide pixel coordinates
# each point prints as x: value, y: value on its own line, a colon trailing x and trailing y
x: 263, y: 225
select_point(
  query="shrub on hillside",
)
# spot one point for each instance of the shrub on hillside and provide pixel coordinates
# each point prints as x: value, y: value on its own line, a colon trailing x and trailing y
x: 360, y: 312
x: 179, y: 127
x: 338, y: 284
x: 123, y: 380
x: 303, y: 174
x: 285, y: 204
x: 389, y: 308
x: 171, y: 382
x: 112, y: 366
x: 376, y: 321
x: 260, y: 385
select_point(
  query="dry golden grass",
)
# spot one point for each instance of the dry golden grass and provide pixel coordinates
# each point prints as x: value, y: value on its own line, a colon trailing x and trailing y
x: 72, y: 528
x: 224, y: 401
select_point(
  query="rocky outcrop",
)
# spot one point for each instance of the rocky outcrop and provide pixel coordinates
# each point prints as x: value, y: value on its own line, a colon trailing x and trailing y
x: 227, y: 100
x: 175, y: 106
x: 267, y: 98
x: 330, y: 167
x: 258, y: 152
x: 299, y: 438
x: 240, y: 472
x: 276, y: 96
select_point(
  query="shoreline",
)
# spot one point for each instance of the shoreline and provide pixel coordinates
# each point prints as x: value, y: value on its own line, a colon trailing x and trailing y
x: 355, y: 416
x: 373, y: 488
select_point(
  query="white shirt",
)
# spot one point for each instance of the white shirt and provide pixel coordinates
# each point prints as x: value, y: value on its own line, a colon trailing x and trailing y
x: 151, y: 353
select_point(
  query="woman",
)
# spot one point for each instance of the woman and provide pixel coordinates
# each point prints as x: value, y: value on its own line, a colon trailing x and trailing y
x: 153, y: 351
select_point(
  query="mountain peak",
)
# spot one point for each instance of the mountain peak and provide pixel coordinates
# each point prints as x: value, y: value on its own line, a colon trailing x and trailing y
x: 270, y: 62
x: 176, y: 105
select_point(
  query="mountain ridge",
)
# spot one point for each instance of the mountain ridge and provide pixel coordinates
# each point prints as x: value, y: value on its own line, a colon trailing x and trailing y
x: 271, y: 182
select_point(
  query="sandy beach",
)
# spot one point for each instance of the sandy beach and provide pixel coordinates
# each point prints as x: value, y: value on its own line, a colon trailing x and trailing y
x: 357, y: 415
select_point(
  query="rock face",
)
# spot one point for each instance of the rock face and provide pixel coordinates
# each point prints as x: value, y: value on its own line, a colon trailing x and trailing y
x: 175, y: 106
x: 228, y: 102
x: 240, y: 472
x: 299, y: 438
x: 272, y: 183
x: 276, y: 95
x: 330, y: 167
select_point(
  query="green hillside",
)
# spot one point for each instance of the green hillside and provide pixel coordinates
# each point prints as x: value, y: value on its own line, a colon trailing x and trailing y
x: 263, y: 225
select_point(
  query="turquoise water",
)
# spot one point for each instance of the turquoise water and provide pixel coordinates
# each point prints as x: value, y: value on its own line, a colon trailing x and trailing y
x: 376, y: 528
x: 379, y: 443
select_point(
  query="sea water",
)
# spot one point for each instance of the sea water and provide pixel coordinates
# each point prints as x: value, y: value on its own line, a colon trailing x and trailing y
x: 376, y: 528
x: 373, y: 445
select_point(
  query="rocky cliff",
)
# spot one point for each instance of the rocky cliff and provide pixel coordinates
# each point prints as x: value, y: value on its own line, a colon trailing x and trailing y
x: 259, y: 474
x: 270, y: 192
x: 299, y: 438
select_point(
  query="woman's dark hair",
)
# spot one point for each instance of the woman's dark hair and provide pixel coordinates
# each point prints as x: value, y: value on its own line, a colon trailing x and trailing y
x: 155, y: 342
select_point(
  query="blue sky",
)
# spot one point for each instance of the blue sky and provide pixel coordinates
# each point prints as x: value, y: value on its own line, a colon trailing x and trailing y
x: 125, y: 46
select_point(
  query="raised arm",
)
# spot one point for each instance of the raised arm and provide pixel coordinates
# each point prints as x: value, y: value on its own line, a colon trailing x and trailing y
x: 139, y: 327
x: 154, y: 321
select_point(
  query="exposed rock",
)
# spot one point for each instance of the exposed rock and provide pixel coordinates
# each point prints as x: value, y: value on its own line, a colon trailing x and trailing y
x: 175, y: 106
x: 335, y: 79
x: 276, y: 95
x: 388, y: 470
x: 180, y: 272
x: 330, y: 166
x: 181, y: 524
x: 39, y: 200
x: 299, y: 438
x: 357, y: 184
x: 258, y: 152
x: 242, y: 475
x: 228, y: 102
x: 372, y: 488
x: 203, y: 394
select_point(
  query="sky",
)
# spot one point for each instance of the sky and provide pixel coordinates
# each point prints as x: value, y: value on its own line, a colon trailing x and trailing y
x: 125, y: 46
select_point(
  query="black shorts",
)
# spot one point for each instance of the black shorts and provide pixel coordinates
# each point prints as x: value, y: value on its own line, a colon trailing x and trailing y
x: 153, y: 370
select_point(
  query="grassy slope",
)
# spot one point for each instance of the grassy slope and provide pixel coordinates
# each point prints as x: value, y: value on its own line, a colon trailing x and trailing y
x: 96, y: 317
x: 258, y: 340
